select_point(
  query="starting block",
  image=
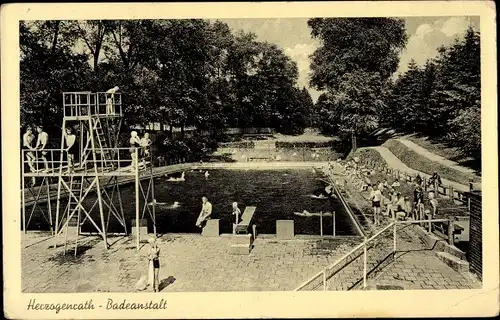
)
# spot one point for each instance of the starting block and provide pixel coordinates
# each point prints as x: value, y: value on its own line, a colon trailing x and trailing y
x: 285, y: 229
x: 211, y: 228
x: 143, y: 228
x: 241, y: 244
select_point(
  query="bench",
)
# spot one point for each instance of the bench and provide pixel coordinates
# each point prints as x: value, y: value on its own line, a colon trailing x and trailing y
x: 246, y: 219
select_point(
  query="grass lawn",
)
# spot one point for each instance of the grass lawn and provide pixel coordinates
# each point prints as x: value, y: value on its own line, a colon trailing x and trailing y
x: 445, y: 151
x: 421, y: 163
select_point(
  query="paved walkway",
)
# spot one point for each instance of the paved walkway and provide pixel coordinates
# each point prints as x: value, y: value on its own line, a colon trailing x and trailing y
x: 189, y: 262
x: 395, y: 163
x: 434, y: 157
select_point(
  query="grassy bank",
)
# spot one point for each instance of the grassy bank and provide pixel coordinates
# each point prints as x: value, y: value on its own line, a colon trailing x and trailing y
x: 421, y: 163
x: 405, y: 188
x: 445, y: 151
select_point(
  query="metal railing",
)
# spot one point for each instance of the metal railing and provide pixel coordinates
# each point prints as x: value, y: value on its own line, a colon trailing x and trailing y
x: 327, y: 272
x: 86, y: 104
x: 49, y: 160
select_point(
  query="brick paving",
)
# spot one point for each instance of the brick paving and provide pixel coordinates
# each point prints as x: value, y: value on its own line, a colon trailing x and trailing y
x: 195, y: 262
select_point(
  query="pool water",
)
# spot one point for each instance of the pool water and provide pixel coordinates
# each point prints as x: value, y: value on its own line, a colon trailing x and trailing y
x: 277, y: 194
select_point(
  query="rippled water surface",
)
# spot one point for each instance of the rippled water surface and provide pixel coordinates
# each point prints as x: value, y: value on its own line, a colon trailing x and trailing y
x: 277, y: 194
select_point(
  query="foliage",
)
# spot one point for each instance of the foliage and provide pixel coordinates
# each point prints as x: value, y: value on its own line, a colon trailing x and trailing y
x: 443, y: 98
x: 353, y: 64
x: 182, y: 73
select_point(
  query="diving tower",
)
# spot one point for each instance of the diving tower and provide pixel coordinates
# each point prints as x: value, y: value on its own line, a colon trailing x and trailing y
x: 99, y: 166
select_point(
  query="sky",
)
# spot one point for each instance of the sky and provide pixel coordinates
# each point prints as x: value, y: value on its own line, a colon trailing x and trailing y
x: 425, y: 36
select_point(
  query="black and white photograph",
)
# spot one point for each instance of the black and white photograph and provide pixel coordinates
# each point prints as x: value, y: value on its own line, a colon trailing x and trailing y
x: 249, y: 154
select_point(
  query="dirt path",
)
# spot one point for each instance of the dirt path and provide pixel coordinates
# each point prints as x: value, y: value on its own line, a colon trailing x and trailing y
x: 395, y: 163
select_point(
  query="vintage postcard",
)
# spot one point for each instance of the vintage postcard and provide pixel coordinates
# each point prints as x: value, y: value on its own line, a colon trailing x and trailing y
x: 249, y: 160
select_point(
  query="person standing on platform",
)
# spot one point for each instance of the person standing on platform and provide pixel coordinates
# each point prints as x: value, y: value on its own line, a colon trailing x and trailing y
x: 206, y: 211
x: 135, y: 143
x: 110, y: 100
x: 70, y: 139
x: 154, y: 265
x: 43, y: 139
x: 28, y: 138
x: 145, y: 144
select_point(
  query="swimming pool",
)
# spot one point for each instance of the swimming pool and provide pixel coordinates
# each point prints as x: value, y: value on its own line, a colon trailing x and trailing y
x: 277, y: 194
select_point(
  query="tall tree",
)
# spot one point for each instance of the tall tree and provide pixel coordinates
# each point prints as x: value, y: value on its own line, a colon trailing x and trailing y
x: 356, y: 53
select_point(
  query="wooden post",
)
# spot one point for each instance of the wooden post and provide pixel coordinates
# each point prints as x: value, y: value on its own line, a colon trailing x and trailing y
x: 364, y: 265
x: 429, y: 221
x: 452, y: 193
x: 137, y: 209
x: 334, y: 223
x: 468, y: 204
x: 394, y: 235
x: 324, y: 280
x: 451, y: 228
x: 321, y: 222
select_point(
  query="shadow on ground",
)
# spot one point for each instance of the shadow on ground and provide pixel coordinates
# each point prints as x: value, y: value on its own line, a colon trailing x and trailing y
x: 166, y: 282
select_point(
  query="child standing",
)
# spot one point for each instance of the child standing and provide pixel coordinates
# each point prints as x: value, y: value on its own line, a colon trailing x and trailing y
x: 154, y: 264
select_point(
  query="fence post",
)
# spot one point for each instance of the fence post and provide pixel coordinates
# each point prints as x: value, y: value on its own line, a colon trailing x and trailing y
x: 468, y: 204
x: 364, y: 265
x: 324, y: 280
x: 451, y: 227
x: 321, y: 223
x: 452, y: 193
x: 334, y: 223
x: 394, y: 234
x: 429, y: 221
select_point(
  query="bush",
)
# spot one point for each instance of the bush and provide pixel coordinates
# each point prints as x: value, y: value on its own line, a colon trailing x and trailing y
x: 238, y: 144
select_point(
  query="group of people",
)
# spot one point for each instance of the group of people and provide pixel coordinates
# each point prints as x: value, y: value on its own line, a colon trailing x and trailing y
x: 387, y: 199
x: 206, y: 212
x: 142, y: 145
x: 38, y: 149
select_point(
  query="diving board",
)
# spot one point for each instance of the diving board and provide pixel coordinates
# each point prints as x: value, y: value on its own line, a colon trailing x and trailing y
x: 246, y: 220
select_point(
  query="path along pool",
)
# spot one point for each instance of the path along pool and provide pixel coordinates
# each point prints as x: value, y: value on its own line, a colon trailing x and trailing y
x: 277, y: 194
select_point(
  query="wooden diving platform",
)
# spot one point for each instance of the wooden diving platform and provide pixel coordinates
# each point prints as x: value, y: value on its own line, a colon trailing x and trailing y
x: 246, y: 219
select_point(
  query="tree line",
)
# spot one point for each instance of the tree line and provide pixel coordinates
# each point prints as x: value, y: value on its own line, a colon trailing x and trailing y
x: 442, y: 99
x: 354, y: 67
x: 182, y: 73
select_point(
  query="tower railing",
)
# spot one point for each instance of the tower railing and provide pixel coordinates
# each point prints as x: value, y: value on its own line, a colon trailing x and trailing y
x: 87, y: 104
x: 119, y: 163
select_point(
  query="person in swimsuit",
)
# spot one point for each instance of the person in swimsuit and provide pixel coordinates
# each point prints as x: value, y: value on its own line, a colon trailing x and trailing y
x: 154, y: 264
x: 110, y: 100
x: 206, y: 211
x: 145, y: 144
x: 236, y: 213
x: 43, y: 139
x: 418, y: 200
x: 28, y: 138
x: 70, y: 139
x: 134, y: 144
x: 376, y: 197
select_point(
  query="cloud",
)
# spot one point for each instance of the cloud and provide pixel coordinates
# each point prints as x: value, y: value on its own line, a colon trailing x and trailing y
x: 428, y: 37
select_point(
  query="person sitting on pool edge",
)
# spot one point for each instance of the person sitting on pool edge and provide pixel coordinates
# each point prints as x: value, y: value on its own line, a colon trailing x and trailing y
x: 206, y: 211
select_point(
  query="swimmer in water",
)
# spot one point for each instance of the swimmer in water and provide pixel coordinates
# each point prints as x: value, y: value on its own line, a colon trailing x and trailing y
x: 306, y: 213
x: 173, y: 206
